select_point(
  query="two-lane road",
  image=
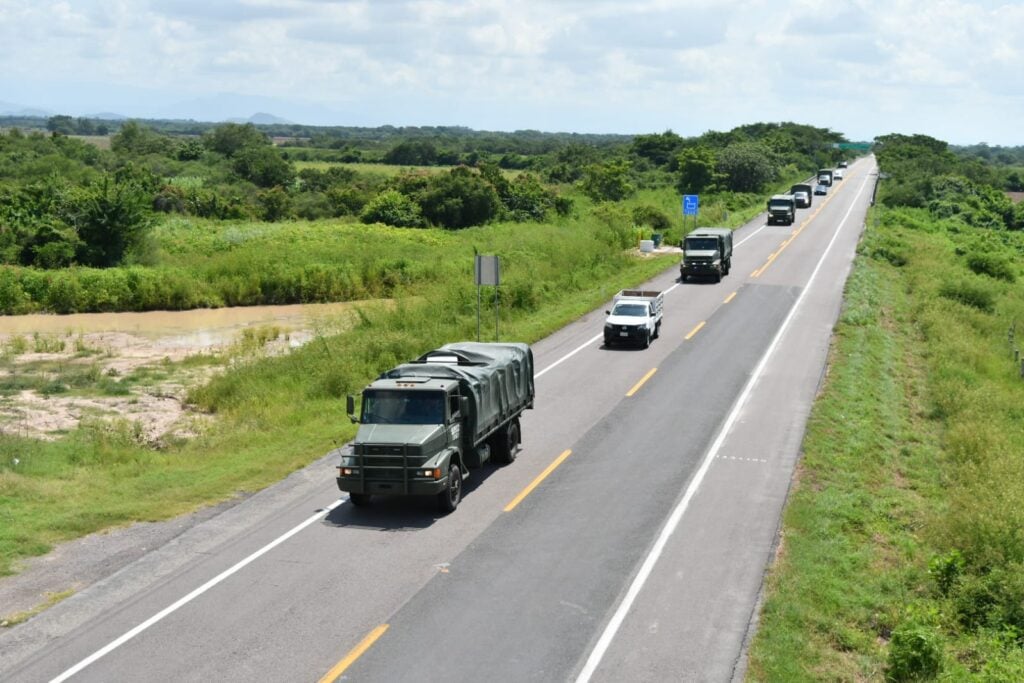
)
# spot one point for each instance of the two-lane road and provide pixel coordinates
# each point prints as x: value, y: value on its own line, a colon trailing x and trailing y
x: 627, y: 541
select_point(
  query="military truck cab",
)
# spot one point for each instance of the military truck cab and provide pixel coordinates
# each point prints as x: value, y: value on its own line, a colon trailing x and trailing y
x: 707, y: 252
x: 782, y: 209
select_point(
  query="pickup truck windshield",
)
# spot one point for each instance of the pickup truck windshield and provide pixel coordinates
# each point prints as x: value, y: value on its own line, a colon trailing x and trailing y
x: 383, y: 406
x: 701, y: 244
x: 638, y: 310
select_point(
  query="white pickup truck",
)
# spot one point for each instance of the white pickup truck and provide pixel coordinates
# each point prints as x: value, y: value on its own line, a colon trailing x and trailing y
x: 635, y: 318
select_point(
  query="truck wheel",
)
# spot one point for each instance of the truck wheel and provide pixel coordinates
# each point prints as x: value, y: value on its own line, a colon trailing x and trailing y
x: 360, y: 500
x: 657, y: 330
x: 718, y: 276
x: 728, y: 267
x: 449, y: 499
x: 505, y: 443
x: 646, y: 340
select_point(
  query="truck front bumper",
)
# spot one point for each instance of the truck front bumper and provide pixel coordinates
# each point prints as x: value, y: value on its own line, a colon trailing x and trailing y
x: 624, y: 334
x: 414, y: 487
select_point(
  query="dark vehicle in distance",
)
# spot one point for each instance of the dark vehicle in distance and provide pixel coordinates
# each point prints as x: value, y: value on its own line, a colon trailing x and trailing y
x: 808, y: 190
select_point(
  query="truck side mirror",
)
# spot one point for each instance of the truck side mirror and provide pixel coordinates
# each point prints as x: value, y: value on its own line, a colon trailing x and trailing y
x: 607, y: 312
x: 350, y: 404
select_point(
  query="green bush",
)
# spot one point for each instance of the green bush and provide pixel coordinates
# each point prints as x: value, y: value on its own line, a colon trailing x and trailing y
x: 915, y: 653
x: 991, y: 264
x: 969, y: 293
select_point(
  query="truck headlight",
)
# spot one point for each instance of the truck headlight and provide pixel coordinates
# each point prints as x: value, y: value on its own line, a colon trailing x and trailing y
x: 434, y: 473
x: 348, y: 471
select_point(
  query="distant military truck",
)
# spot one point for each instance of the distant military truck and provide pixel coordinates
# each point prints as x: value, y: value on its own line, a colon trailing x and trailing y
x: 782, y: 209
x: 825, y: 177
x: 807, y: 190
x: 425, y: 423
x: 707, y: 252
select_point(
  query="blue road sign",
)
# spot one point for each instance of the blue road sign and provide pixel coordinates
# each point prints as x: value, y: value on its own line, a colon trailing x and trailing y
x: 690, y: 203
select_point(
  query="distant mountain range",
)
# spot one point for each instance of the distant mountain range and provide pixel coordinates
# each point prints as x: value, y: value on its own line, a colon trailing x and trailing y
x: 22, y: 111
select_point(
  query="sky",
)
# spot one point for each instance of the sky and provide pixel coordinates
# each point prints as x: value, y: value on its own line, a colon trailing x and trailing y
x: 952, y: 69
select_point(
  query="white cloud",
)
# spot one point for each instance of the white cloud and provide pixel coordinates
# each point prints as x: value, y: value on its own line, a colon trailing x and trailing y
x: 950, y: 68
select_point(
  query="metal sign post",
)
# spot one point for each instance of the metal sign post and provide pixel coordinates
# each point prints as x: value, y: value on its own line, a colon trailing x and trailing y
x: 487, y: 272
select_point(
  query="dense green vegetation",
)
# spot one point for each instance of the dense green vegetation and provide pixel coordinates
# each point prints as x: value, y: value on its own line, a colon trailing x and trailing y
x: 902, y: 555
x: 89, y: 229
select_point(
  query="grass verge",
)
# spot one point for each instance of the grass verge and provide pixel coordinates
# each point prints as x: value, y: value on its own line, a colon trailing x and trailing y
x: 901, y: 551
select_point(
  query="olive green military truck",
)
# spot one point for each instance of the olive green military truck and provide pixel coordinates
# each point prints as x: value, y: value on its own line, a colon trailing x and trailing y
x: 425, y: 424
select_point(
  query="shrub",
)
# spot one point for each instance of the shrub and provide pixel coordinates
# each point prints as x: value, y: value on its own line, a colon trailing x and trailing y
x: 992, y: 265
x: 915, y: 653
x: 968, y: 293
x: 391, y: 207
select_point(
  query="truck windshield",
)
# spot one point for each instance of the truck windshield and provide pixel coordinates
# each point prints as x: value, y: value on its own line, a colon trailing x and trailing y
x: 780, y: 205
x: 701, y: 244
x: 382, y: 406
x: 639, y: 310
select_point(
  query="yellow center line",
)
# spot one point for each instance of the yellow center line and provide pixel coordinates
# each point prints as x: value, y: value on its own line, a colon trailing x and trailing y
x: 695, y: 330
x: 729, y: 298
x: 636, y: 387
x: 536, y: 482
x: 354, y: 654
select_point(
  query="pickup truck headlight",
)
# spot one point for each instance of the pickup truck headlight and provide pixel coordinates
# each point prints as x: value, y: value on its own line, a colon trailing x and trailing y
x: 348, y: 471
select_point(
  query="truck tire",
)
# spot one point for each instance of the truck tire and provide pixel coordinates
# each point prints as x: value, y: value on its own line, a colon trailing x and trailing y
x: 728, y: 267
x: 449, y: 499
x: 646, y: 340
x: 360, y: 500
x: 657, y: 329
x: 505, y: 443
x: 718, y: 275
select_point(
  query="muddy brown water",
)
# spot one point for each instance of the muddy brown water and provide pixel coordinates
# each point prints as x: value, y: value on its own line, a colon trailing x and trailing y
x: 199, y: 329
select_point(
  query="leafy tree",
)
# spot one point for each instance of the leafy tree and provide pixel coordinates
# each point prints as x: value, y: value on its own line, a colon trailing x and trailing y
x: 607, y: 182
x: 391, y: 207
x: 275, y: 204
x: 61, y: 124
x: 746, y: 166
x: 135, y: 139
x: 110, y: 218
x: 412, y: 153
x: 660, y: 149
x: 263, y: 166
x: 696, y: 170
x: 231, y: 138
x: 570, y: 163
x: 459, y: 199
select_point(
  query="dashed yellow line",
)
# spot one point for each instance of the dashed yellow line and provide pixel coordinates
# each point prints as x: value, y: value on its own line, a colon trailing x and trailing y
x: 636, y: 387
x: 356, y: 652
x: 729, y: 298
x: 536, y: 482
x: 695, y: 330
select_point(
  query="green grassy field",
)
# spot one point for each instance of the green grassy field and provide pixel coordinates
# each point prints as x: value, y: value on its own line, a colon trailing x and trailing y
x: 902, y: 555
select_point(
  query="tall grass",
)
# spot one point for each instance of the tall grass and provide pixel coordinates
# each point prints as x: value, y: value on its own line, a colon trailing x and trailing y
x: 902, y: 555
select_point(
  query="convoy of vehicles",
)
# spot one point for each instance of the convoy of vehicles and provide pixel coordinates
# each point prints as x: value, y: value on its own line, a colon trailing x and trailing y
x: 707, y: 252
x: 782, y: 209
x: 424, y: 424
x: 635, y: 318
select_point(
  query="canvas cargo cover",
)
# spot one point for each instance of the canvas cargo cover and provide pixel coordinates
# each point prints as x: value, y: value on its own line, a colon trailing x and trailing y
x: 497, y: 378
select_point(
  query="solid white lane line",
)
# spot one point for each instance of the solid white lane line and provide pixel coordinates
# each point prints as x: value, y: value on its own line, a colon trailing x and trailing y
x: 194, y: 594
x: 597, y: 654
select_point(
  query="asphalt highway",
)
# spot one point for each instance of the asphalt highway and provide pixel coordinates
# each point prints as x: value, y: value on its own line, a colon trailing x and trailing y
x: 628, y: 541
